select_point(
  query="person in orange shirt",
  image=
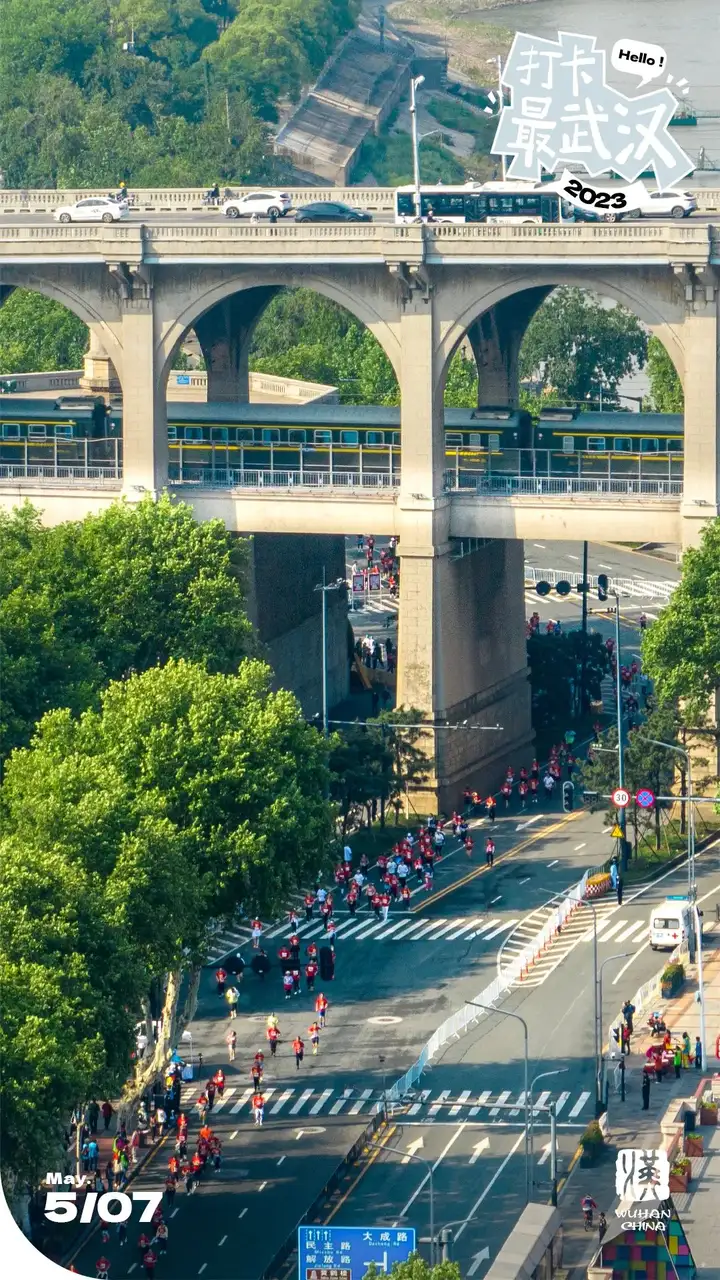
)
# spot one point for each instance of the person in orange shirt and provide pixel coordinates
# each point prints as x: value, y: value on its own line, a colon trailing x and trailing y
x: 299, y: 1051
x: 258, y: 1106
x: 321, y: 1008
x: 314, y: 1033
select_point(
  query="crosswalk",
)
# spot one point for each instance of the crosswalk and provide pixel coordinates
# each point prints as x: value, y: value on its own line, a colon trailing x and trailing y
x: 612, y: 926
x: 288, y: 1102
x: 407, y: 928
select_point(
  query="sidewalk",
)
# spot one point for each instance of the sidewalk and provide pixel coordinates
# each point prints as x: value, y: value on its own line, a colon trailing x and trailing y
x: 630, y: 1126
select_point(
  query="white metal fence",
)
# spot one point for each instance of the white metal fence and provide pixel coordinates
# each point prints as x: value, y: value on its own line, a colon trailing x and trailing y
x: 659, y: 590
x: 562, y: 487
x: 90, y: 476
x: 259, y: 479
x: 454, y: 1026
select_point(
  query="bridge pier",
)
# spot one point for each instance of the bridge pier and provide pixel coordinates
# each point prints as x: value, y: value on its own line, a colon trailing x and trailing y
x: 701, y: 468
x: 145, y: 432
x: 225, y: 333
x: 496, y: 337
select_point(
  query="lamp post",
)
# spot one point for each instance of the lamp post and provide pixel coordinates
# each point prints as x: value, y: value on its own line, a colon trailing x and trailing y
x: 325, y: 587
x: 415, y: 83
x: 621, y: 955
x: 582, y: 903
x: 410, y: 1155
x: 542, y: 1076
x: 497, y: 61
x: 692, y: 887
x: 618, y: 706
x: 505, y: 1013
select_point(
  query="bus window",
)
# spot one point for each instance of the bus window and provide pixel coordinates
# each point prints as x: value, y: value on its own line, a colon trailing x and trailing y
x: 649, y: 446
x: 622, y: 444
x: 349, y: 437
x: 297, y: 437
x: 11, y: 431
x: 444, y: 205
x: 219, y: 433
x: 322, y: 437
x: 270, y: 434
x: 37, y: 431
x: 453, y: 437
x: 596, y: 444
x: 568, y: 444
x: 375, y: 437
x: 406, y: 204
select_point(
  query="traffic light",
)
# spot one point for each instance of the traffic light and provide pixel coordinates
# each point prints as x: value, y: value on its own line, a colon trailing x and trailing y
x: 568, y: 797
x: 602, y: 586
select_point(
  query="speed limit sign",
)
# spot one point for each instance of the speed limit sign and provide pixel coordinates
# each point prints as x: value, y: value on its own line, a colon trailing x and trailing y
x: 620, y: 797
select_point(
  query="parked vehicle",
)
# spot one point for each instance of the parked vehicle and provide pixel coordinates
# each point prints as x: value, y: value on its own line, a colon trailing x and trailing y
x: 261, y: 203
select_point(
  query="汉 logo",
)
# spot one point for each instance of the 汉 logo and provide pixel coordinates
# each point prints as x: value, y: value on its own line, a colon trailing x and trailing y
x: 642, y: 1175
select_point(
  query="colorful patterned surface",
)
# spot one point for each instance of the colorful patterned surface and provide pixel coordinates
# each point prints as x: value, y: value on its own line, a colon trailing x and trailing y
x: 651, y: 1254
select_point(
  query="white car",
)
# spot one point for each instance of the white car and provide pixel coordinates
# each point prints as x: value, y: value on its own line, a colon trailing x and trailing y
x: 262, y: 203
x: 657, y: 204
x: 94, y: 209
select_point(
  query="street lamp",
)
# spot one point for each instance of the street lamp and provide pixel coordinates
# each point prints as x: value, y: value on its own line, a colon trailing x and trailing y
x: 556, y: 897
x: 410, y: 1155
x: 497, y: 61
x: 325, y: 587
x: 505, y: 1013
x: 692, y: 887
x: 621, y: 955
x: 415, y: 83
x: 618, y: 706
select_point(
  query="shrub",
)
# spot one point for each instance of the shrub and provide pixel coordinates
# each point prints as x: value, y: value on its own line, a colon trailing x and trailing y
x: 593, y: 1139
x: 673, y: 975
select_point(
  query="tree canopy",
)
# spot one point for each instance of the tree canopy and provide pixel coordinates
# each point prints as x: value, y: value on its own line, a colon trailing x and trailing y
x: 186, y: 797
x: 417, y: 1269
x: 578, y: 347
x: 85, y: 603
x: 645, y: 765
x: 666, y: 392
x: 37, y: 333
x: 681, y: 651
x: 188, y: 105
x: 554, y: 663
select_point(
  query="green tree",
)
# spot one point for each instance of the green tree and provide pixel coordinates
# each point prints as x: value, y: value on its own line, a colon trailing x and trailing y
x: 85, y: 603
x: 555, y: 663
x: 417, y: 1269
x: 578, y: 347
x: 645, y: 765
x: 681, y: 651
x: 666, y: 392
x: 461, y: 386
x: 37, y: 333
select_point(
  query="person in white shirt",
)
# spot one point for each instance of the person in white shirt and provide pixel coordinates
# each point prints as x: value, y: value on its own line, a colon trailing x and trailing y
x: 359, y: 879
x: 321, y: 895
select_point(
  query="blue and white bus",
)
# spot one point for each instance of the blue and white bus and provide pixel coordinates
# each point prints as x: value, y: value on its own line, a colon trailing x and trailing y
x: 491, y: 202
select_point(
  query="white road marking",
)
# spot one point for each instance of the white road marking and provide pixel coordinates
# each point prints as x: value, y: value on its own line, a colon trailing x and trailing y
x: 521, y: 1103
x: 241, y: 1101
x: 221, y: 1242
x: 578, y: 847
x: 132, y: 1268
x: 281, y: 1160
x: 545, y: 1154
x: 172, y: 1215
x: 489, y: 1188
x: 633, y: 957
x: 417, y: 1106
x: 338, y: 1106
x: 561, y: 1103
x: 573, y: 557
x: 579, y: 1105
x: 525, y: 881
x: 427, y: 929
x: 503, y: 1097
x: 377, y: 924
x: 234, y: 1135
x: 437, y: 1104
x: 494, y: 900
x: 306, y: 1093
x: 462, y: 1098
x: 441, y: 1157
x: 349, y: 932
x: 476, y: 920
x: 633, y: 928
x: 541, y: 1101
x: 225, y: 1098
x: 530, y: 821
x: 202, y: 1268
x: 242, y: 1215
x: 478, y: 1149
x: 262, y: 1186
x: 482, y: 1256
x: 604, y: 566
x: 555, y: 861
x: 503, y: 929
x: 541, y: 545
x: 393, y: 929
x: 487, y: 1093
x: 318, y: 1106
x: 357, y: 1106
x: 284, y: 1097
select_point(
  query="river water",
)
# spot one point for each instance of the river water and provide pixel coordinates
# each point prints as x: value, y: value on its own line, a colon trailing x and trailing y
x: 689, y: 31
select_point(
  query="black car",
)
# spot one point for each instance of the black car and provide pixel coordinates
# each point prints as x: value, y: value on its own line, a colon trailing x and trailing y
x: 331, y: 211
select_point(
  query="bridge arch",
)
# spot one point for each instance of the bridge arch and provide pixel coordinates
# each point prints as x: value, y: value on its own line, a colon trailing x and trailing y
x: 660, y: 311
x: 360, y: 302
x: 80, y: 302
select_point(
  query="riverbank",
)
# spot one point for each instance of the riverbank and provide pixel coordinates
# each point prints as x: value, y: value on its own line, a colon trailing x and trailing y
x: 469, y: 43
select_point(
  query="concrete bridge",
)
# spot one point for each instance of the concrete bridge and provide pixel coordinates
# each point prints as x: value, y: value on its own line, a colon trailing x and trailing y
x: 140, y: 286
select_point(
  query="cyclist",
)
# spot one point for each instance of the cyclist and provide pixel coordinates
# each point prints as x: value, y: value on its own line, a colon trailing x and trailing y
x: 102, y: 1266
x: 588, y: 1204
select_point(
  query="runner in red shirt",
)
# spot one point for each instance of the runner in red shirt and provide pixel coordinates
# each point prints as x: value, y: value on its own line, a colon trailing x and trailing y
x: 150, y: 1262
x: 506, y: 789
x: 102, y: 1266
x: 321, y: 1008
x: 311, y: 971
x: 309, y: 905
x: 405, y: 895
x: 468, y: 842
x: 311, y: 951
x: 220, y: 976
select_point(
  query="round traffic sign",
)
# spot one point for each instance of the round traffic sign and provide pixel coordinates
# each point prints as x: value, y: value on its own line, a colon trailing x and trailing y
x: 645, y: 799
x: 620, y: 797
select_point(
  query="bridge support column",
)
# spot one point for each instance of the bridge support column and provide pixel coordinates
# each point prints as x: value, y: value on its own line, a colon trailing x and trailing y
x: 99, y: 374
x: 701, y: 343
x: 145, y: 433
x: 225, y: 334
x: 496, y: 338
x: 461, y: 644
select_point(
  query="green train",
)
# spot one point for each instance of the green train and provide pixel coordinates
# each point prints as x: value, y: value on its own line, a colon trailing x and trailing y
x: 70, y: 430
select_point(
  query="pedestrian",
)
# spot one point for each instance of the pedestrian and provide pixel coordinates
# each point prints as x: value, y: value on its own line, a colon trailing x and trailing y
x: 232, y: 995
x: 625, y: 1038
x: 256, y: 1072
x: 698, y: 1054
x: 309, y: 905
x: 108, y: 1111
x: 628, y: 1010
x: 260, y: 964
x: 619, y: 891
x: 220, y: 978
x: 161, y: 1236
x: 150, y: 1262
x: 210, y: 1091
x: 310, y: 975
x: 321, y: 1008
x: 219, y: 1080
x: 93, y: 1114
x: 170, y: 1189
x: 677, y: 1060
x: 161, y: 1120
x: 489, y: 852
x: 256, y: 933
x: 295, y: 975
x: 288, y: 984
x: 314, y: 1033
x: 602, y: 1228
x: 490, y: 808
x: 299, y: 1051
x: 231, y: 1040
x: 258, y: 1106
x: 646, y: 1091
x: 273, y: 1035
x: 122, y: 1234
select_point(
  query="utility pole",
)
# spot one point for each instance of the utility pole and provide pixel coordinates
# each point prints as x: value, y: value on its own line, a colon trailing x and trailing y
x: 553, y: 1155
x: 415, y: 83
x: 583, y: 669
x: 621, y: 755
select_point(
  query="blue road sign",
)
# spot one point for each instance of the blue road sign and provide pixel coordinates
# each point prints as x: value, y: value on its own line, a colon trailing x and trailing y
x: 182, y: 380
x: 345, y: 1253
x: 645, y: 799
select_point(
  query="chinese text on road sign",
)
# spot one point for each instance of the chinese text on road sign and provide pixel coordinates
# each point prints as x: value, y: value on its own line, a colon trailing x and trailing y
x: 562, y: 111
x: 346, y: 1253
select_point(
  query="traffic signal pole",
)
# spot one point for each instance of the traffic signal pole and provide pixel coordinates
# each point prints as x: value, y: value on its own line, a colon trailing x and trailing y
x: 618, y: 704
x: 583, y: 668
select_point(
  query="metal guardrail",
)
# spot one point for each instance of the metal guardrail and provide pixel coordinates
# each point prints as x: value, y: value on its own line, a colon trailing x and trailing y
x: 346, y: 481
x: 453, y: 1027
x: 86, y: 476
x: 661, y: 589
x: 567, y: 487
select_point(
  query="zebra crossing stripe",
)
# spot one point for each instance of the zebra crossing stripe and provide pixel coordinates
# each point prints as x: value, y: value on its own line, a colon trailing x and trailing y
x: 561, y: 1103
x: 438, y: 1103
x: 417, y: 1106
x: 348, y: 932
x: 483, y: 1098
x: 357, y: 1106
x: 488, y: 924
x: 221, y: 1102
x: 428, y: 928
x: 541, y: 1101
x: 579, y: 1105
x: 373, y: 929
x: 434, y: 937
x: 318, y: 1106
x: 284, y: 1097
x: 393, y: 929
x: 461, y: 1100
x: 338, y: 1106
x: 504, y: 928
x: 637, y: 929
x: 521, y: 1103
x: 495, y: 1111
x: 244, y: 1097
x: 468, y: 925
x: 306, y: 1093
x: 607, y: 934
